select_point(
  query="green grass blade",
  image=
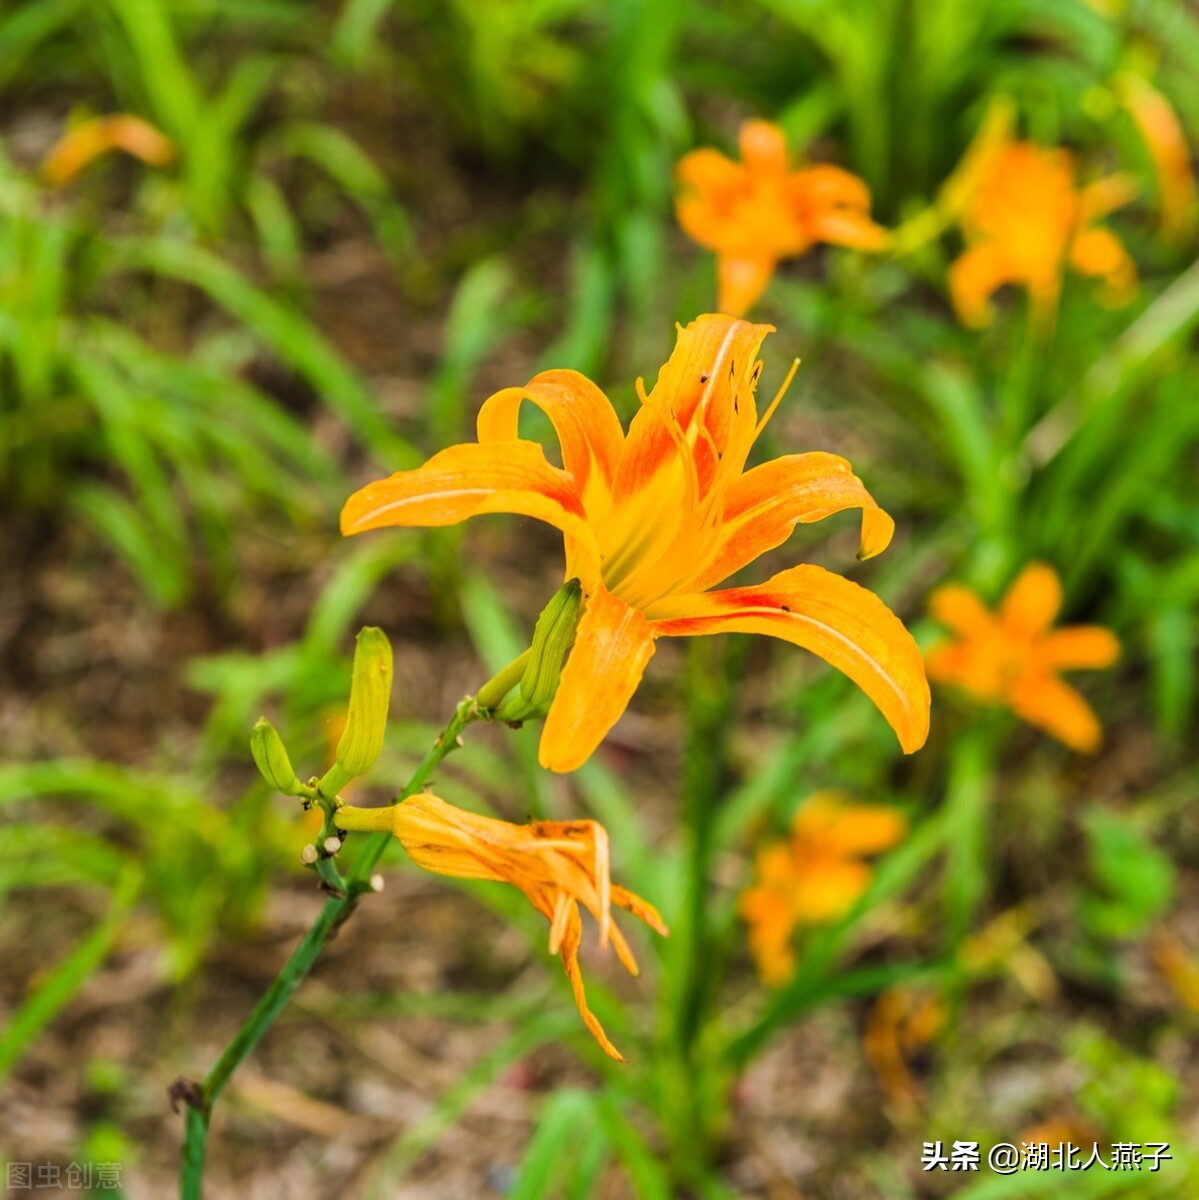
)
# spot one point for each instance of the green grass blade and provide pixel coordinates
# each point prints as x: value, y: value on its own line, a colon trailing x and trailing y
x: 68, y: 975
x: 296, y: 341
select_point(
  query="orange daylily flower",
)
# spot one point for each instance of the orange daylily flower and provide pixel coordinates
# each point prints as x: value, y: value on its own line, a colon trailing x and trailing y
x: 902, y: 1022
x: 1012, y: 657
x: 758, y: 211
x: 100, y: 135
x: 655, y: 518
x: 1179, y: 968
x: 557, y: 864
x: 1061, y: 1130
x: 813, y: 878
x: 1158, y: 124
x: 1025, y: 221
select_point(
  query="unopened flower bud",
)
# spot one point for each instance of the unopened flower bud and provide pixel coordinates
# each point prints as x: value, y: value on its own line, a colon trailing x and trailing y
x: 332, y: 845
x: 552, y: 639
x: 366, y: 720
x: 376, y: 882
x: 270, y: 757
x: 309, y: 855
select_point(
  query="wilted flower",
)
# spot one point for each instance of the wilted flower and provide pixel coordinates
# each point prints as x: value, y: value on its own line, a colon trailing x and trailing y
x: 557, y: 864
x: 1012, y: 657
x: 758, y: 211
x: 815, y: 877
x: 655, y: 518
x: 1027, y: 219
x: 101, y: 135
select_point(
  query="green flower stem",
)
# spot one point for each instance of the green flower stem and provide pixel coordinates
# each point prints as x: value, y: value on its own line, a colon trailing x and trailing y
x: 201, y: 1098
x: 366, y: 820
x: 697, y: 1103
x: 492, y: 693
x: 968, y: 806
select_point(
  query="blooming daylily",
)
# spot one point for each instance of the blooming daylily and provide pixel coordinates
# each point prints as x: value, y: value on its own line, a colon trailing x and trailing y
x: 1025, y: 220
x: 758, y: 211
x: 101, y: 135
x: 557, y: 864
x: 814, y: 877
x: 1012, y: 657
x: 655, y: 518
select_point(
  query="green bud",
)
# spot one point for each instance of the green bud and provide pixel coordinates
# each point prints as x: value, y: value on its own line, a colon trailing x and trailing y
x: 366, y: 721
x: 270, y: 757
x: 552, y: 639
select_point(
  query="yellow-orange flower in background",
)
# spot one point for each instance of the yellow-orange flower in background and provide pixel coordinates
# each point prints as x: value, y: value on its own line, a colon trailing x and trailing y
x: 1013, y: 658
x: 1177, y: 966
x: 902, y: 1023
x: 1025, y: 221
x: 557, y: 864
x: 813, y: 878
x: 758, y: 211
x: 655, y: 518
x: 1162, y: 132
x: 101, y: 135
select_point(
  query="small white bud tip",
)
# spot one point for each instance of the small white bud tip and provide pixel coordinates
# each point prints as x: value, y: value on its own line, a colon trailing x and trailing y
x: 376, y: 882
x: 308, y: 855
x: 332, y: 845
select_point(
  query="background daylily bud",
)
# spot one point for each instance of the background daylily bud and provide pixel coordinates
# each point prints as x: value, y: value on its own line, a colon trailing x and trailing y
x: 270, y: 757
x: 552, y: 638
x: 366, y: 721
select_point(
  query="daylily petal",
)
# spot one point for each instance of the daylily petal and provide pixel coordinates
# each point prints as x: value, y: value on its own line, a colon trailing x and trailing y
x: 763, y: 146
x: 962, y: 665
x: 1100, y: 253
x: 824, y: 187
x: 973, y: 277
x: 842, y: 227
x: 446, y: 840
x: 1106, y: 195
x: 959, y: 609
x: 770, y: 914
x: 612, y: 646
x: 642, y: 909
x: 466, y: 481
x: 741, y: 281
x: 699, y: 418
x: 709, y: 183
x: 100, y: 135
x: 990, y: 141
x: 829, y: 888
x: 835, y: 207
x: 586, y: 423
x: 1045, y: 701
x: 1033, y: 600
x: 765, y: 504
x: 1160, y: 127
x: 569, y: 950
x: 847, y: 626
x: 840, y: 829
x: 1079, y: 646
